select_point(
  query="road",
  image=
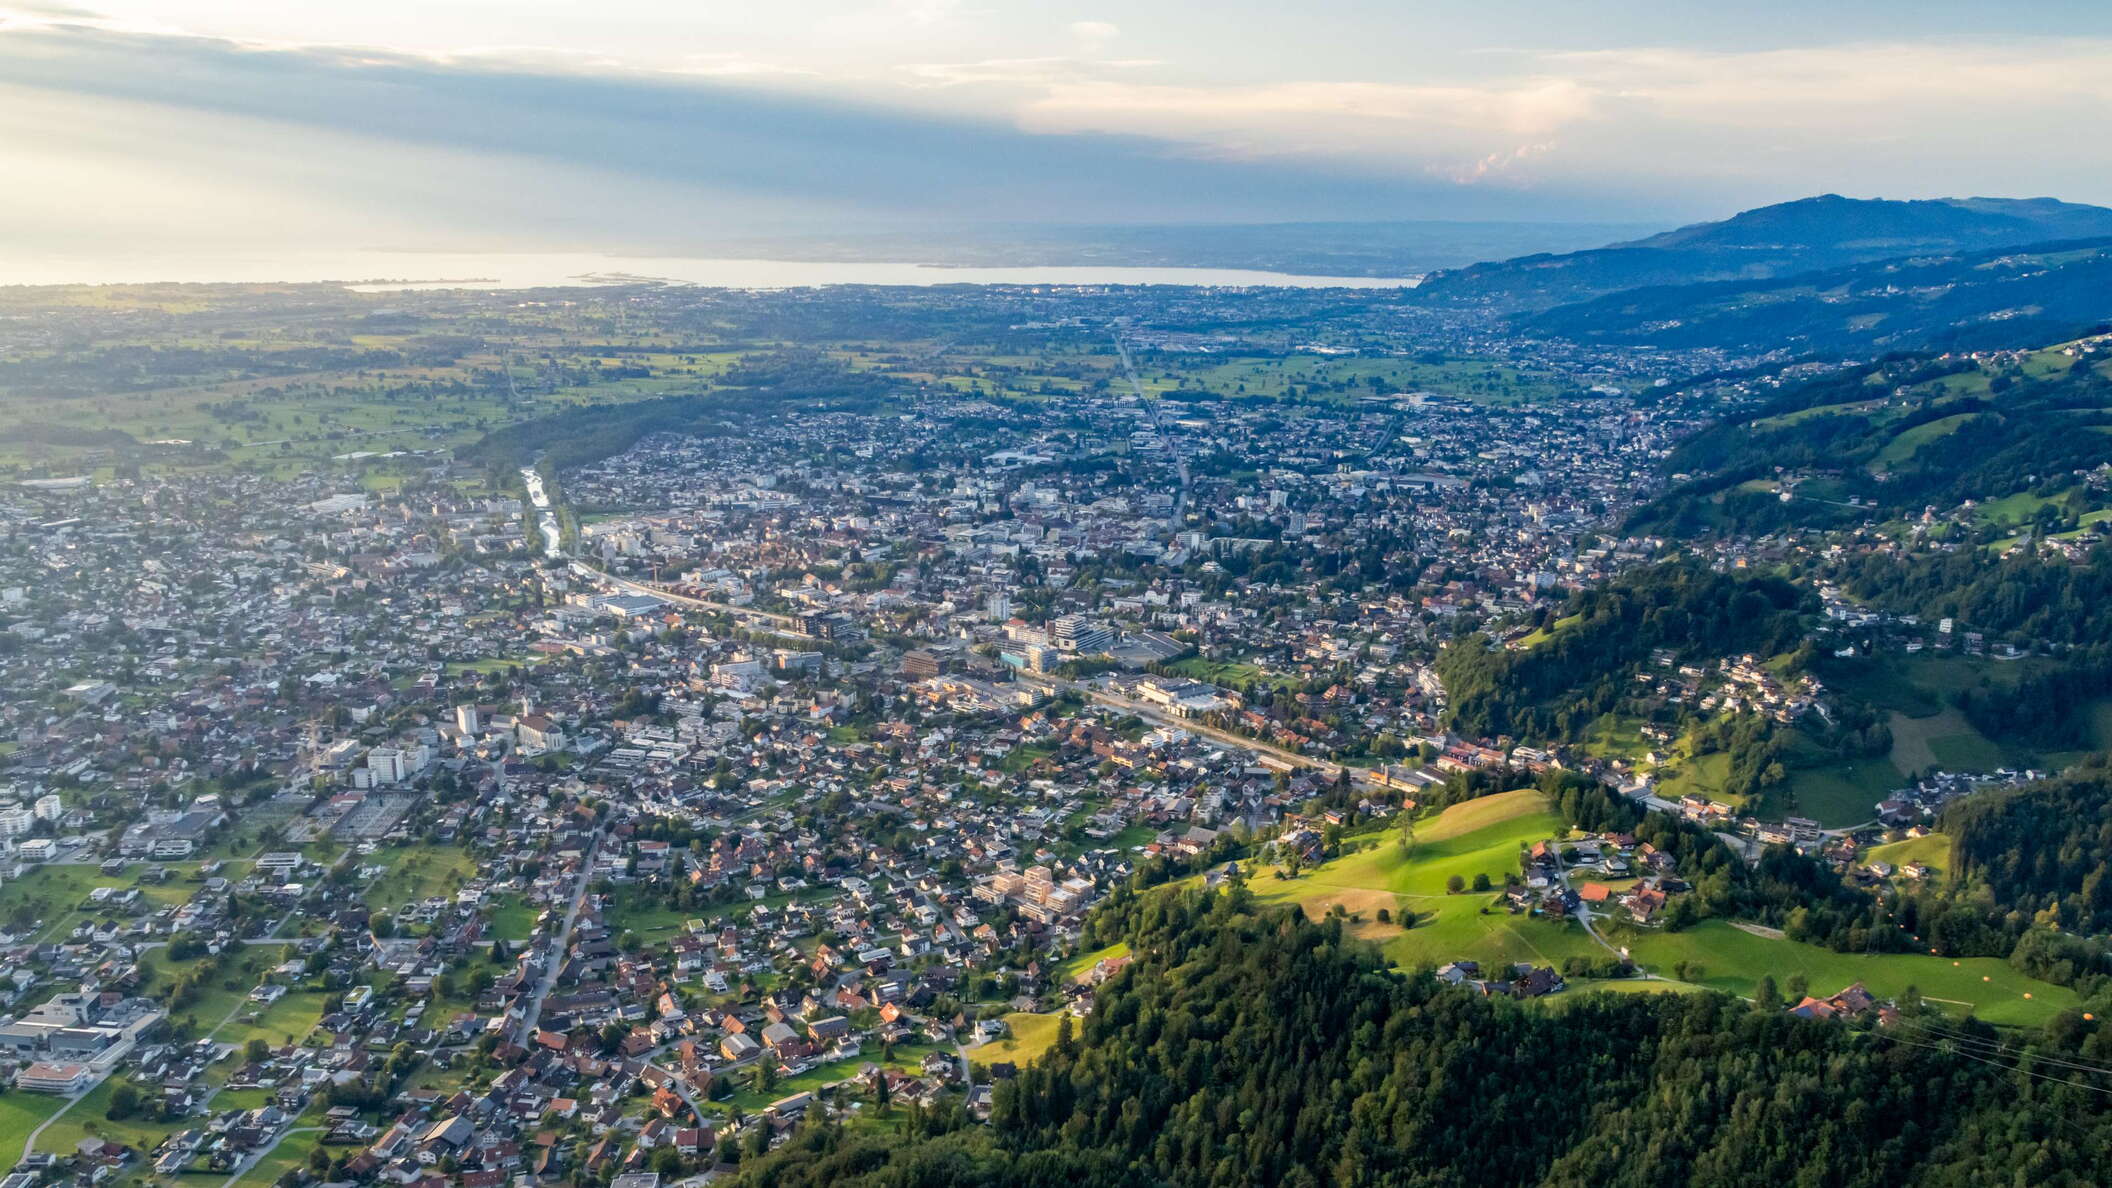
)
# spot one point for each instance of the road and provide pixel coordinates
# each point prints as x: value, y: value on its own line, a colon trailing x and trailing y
x: 781, y: 624
x: 1157, y: 716
x: 547, y: 522
x: 680, y: 1084
x: 1158, y: 424
x: 555, y: 959
x: 242, y: 1168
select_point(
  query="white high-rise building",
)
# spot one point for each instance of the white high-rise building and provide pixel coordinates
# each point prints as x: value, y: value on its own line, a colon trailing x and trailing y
x: 388, y: 764
x: 50, y: 808
x: 998, y: 607
x: 466, y: 719
x: 15, y: 821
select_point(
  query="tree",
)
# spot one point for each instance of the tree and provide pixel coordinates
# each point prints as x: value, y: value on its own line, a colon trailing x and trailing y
x: 124, y: 1102
x: 256, y: 1051
x: 756, y: 1143
x: 1454, y: 885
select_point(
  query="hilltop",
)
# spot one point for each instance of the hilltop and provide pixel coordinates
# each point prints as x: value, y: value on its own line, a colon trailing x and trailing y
x: 1768, y: 242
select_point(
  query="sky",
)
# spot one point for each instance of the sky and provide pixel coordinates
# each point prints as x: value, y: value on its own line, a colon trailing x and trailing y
x: 654, y: 125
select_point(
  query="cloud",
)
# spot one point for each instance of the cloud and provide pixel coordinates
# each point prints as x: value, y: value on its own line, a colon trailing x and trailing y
x: 1094, y: 31
x: 110, y: 131
x: 128, y: 137
x: 1020, y: 72
x: 1906, y: 117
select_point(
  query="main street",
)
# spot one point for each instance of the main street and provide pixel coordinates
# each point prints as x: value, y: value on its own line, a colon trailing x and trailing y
x: 554, y: 959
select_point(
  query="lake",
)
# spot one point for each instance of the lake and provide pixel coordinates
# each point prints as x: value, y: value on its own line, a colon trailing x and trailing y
x: 379, y: 271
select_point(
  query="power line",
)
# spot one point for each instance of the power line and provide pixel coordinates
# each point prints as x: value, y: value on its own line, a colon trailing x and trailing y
x: 1985, y: 1044
x: 1997, y: 1063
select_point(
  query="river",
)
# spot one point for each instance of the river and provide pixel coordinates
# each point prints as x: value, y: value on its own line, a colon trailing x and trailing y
x: 546, y: 516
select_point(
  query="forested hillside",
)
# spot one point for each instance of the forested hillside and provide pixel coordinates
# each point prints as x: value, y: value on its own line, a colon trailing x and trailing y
x: 1988, y: 300
x: 1552, y: 689
x: 1894, y: 437
x: 1782, y: 240
x: 2043, y: 850
x: 2021, y: 598
x: 1248, y: 1047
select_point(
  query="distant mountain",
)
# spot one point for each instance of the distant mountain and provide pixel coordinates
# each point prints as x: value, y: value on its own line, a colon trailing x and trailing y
x: 1810, y: 234
x: 1995, y: 298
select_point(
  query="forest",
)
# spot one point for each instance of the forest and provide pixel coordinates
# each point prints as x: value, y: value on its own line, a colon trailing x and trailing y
x: 754, y: 385
x: 1247, y: 1046
x: 2033, y: 602
x: 2042, y: 850
x: 1554, y: 689
x: 2027, y: 432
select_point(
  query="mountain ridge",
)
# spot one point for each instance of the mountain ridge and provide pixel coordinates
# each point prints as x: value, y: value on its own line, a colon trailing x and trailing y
x: 1766, y: 243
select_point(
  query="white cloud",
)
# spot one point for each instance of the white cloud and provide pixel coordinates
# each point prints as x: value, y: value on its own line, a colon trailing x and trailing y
x: 1021, y: 72
x: 1094, y: 31
x: 1903, y: 116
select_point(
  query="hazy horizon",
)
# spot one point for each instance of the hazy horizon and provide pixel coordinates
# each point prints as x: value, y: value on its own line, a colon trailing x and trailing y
x: 650, y: 128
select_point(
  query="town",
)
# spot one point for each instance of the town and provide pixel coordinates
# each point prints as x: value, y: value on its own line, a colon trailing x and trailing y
x: 406, y: 817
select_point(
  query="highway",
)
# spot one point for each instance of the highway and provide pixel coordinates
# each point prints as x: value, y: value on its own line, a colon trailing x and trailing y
x: 1158, y: 424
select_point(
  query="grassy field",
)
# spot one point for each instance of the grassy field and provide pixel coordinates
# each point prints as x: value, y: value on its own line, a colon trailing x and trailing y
x: 1944, y: 740
x: 1070, y: 970
x: 1482, y: 836
x: 416, y: 873
x: 907, y: 1058
x: 1485, y: 835
x: 20, y: 1114
x: 1702, y: 775
x: 1540, y: 635
x: 512, y: 920
x: 289, y: 1020
x: 1905, y: 444
x: 1733, y: 960
x: 87, y: 1119
x: 1230, y: 673
x: 1483, y: 381
x: 1932, y: 851
x: 291, y: 1152
x: 1029, y: 1036
x: 1843, y: 793
x: 221, y: 997
x: 1478, y: 837
x: 56, y: 897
